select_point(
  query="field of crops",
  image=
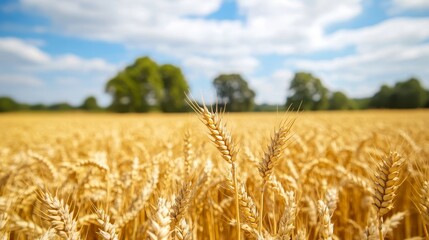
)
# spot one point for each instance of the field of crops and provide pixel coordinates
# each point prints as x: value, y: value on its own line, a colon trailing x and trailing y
x: 324, y: 175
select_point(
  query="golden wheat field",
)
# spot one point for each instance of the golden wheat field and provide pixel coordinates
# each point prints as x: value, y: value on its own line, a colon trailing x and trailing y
x: 325, y: 175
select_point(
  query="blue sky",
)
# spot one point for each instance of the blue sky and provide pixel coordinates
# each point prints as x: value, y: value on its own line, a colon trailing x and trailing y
x: 53, y: 51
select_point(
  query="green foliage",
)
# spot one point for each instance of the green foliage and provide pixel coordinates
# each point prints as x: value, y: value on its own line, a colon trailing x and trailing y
x: 143, y: 87
x: 361, y: 103
x: 138, y: 88
x: 427, y: 101
x: 268, y: 108
x: 407, y: 94
x: 60, y: 107
x: 234, y: 92
x: 339, y: 101
x: 90, y: 104
x: 7, y: 104
x: 175, y: 89
x: 381, y: 98
x: 308, y: 92
x: 38, y: 107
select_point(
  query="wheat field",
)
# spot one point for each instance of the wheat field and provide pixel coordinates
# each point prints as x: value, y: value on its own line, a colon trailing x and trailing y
x: 204, y: 175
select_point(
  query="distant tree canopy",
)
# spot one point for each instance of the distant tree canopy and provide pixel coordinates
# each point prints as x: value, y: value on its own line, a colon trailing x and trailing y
x: 175, y: 89
x: 339, y: 101
x: 308, y: 92
x: 144, y: 86
x: 7, y: 104
x: 90, y: 104
x: 407, y: 94
x: 234, y: 92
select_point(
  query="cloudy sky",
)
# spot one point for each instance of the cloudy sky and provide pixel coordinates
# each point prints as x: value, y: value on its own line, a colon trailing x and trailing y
x: 53, y: 51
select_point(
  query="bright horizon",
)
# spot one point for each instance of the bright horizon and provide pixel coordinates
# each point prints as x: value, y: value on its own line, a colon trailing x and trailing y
x: 55, y: 51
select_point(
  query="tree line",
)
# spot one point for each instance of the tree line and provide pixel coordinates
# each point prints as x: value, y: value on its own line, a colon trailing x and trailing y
x: 145, y: 86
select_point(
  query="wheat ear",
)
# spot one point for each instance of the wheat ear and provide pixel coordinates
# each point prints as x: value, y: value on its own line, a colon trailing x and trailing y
x: 60, y: 217
x: 423, y: 205
x: 188, y: 153
x: 139, y: 203
x: 107, y: 230
x: 327, y: 228
x: 181, y: 204
x: 224, y: 143
x: 287, y: 221
x: 247, y: 206
x: 386, y: 182
x: 160, y: 224
x: 183, y: 230
x: 270, y: 159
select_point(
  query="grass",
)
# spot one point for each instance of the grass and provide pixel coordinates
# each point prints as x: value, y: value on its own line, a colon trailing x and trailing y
x: 345, y: 175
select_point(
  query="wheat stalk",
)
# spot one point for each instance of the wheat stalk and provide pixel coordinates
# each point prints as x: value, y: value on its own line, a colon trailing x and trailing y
x: 225, y: 144
x: 271, y: 158
x: 386, y: 182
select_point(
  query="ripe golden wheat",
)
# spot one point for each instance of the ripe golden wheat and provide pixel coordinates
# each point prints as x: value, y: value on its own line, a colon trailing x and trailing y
x: 332, y: 175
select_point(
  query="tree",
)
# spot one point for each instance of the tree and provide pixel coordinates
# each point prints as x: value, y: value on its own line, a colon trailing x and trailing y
x: 408, y: 94
x: 339, y: 101
x: 234, y: 92
x: 63, y: 106
x: 90, y: 104
x: 138, y: 88
x: 381, y: 98
x: 308, y: 91
x: 7, y: 104
x: 175, y: 89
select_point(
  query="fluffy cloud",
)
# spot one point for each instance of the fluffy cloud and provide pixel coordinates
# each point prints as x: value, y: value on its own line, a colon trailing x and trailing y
x: 412, y: 31
x: 360, y: 75
x: 210, y: 67
x: 17, y: 54
x: 13, y: 51
x: 272, y: 89
x: 206, y: 47
x: 404, y: 5
x: 177, y: 27
x: 24, y: 67
x: 19, y: 80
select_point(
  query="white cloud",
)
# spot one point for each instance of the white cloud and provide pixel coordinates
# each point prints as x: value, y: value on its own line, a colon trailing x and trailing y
x: 270, y: 27
x: 404, y: 5
x: 272, y: 89
x: 23, y: 66
x: 368, y: 70
x: 389, y: 50
x: 13, y: 50
x: 412, y: 31
x: 20, y: 80
x: 18, y: 54
x: 210, y: 67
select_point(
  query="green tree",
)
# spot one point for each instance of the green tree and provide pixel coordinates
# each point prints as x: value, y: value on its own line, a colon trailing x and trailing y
x: 138, y: 88
x: 7, y: 104
x: 234, y: 92
x: 308, y: 92
x: 427, y: 101
x: 408, y: 94
x: 339, y: 101
x: 381, y: 98
x: 63, y: 106
x: 90, y: 104
x: 175, y: 89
